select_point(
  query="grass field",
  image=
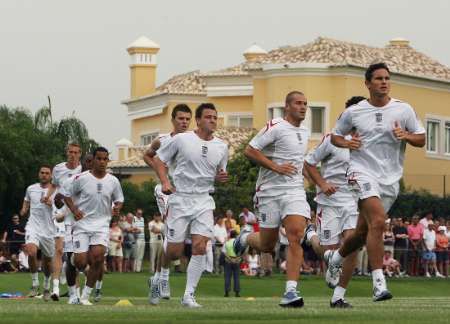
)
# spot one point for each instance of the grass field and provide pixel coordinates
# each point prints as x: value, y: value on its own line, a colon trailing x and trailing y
x: 415, y: 300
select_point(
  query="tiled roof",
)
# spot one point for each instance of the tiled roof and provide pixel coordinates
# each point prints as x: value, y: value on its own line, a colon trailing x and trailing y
x: 188, y: 83
x: 400, y: 58
x: 233, y: 136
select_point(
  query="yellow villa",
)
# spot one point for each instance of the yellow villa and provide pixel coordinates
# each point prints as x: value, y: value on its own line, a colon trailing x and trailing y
x: 328, y: 71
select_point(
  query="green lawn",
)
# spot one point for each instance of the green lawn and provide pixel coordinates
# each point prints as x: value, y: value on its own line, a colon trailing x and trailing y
x: 415, y: 301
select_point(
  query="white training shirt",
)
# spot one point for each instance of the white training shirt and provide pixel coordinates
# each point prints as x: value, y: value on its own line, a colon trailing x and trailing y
x: 197, y: 162
x: 66, y: 190
x: 334, y: 164
x: 41, y: 215
x: 429, y: 238
x: 166, y: 139
x: 281, y: 142
x: 95, y: 200
x: 61, y: 173
x: 381, y: 154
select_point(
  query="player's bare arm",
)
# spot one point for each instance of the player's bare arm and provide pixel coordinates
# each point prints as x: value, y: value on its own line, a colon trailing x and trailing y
x: 116, y: 208
x: 259, y: 158
x: 151, y: 152
x: 78, y: 214
x: 325, y: 187
x: 222, y: 176
x: 161, y: 171
x: 25, y: 208
x: 417, y: 140
x: 353, y: 144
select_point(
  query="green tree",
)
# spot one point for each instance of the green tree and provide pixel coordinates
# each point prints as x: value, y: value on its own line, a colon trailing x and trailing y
x: 28, y: 141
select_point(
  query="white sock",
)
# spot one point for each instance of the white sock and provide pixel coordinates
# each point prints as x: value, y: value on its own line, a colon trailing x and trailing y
x: 337, y: 258
x: 35, y: 279
x: 156, y: 276
x: 194, y: 272
x: 56, y: 286
x: 338, y: 293
x: 78, y: 290
x: 291, y: 285
x: 72, y: 291
x: 164, y: 274
x: 46, y: 283
x: 310, y: 235
x: 86, y: 293
x: 378, y: 279
x: 98, y: 284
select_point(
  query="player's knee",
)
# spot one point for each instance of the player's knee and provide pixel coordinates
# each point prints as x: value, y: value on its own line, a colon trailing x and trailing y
x: 267, y: 247
x: 377, y: 224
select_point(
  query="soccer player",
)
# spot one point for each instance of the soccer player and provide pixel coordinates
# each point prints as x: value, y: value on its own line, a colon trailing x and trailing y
x: 337, y: 210
x: 98, y: 191
x: 280, y: 199
x: 61, y: 172
x: 69, y: 221
x: 39, y: 230
x: 199, y: 159
x: 381, y: 126
x: 159, y: 283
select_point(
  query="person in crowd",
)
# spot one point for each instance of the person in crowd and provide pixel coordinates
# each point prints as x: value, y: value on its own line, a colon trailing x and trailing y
x: 427, y: 217
x: 429, y: 247
x: 139, y: 234
x: 129, y: 241
x: 231, y: 266
x: 442, y: 250
x: 220, y: 237
x: 156, y: 230
x: 388, y: 237
x: 230, y: 222
x: 115, y: 246
x: 415, y: 236
x: 390, y: 265
x: 247, y: 219
x: 254, y: 266
x: 14, y: 236
x: 401, y: 243
x: 5, y: 262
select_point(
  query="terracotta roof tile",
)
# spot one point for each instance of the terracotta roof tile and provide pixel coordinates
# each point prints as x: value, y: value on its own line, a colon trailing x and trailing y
x: 400, y: 59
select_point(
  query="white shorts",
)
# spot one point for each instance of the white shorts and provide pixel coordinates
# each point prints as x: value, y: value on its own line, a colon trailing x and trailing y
x: 365, y: 187
x: 82, y: 240
x: 68, y: 239
x: 272, y: 210
x: 195, y: 211
x: 45, y: 244
x: 332, y: 221
x: 60, y: 229
x: 161, y: 200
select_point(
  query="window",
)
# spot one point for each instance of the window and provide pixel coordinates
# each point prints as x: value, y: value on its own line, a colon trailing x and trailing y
x: 146, y: 139
x: 447, y: 137
x: 276, y: 112
x: 317, y: 120
x: 240, y: 121
x: 432, y: 136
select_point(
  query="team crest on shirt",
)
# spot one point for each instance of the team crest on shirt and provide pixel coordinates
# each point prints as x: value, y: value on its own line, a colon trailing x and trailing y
x: 99, y: 187
x: 77, y: 244
x: 263, y: 217
x: 378, y: 117
x: 367, y: 186
x: 204, y: 150
x: 171, y: 232
x: 299, y: 137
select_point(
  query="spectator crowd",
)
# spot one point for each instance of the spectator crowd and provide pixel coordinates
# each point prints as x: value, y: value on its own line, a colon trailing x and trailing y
x: 416, y: 246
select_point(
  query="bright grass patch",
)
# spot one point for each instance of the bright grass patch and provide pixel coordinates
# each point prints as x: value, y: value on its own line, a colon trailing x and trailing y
x: 416, y: 300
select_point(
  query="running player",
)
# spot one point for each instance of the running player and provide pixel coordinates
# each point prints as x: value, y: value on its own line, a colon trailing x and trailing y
x: 97, y: 191
x: 280, y: 199
x: 69, y: 221
x: 159, y: 283
x: 61, y: 172
x: 200, y: 159
x: 382, y: 127
x: 337, y: 210
x: 39, y: 230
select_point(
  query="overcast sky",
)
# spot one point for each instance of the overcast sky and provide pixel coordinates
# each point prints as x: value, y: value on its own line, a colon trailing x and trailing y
x: 75, y: 51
